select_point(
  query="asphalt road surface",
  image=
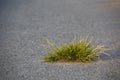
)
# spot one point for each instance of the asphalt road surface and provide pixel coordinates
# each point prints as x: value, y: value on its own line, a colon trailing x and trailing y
x: 23, y: 22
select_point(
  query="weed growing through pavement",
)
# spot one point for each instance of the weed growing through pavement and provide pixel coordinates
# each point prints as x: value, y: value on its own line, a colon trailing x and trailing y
x: 81, y: 50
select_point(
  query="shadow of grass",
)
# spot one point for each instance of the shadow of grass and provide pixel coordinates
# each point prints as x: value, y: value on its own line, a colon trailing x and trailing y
x: 114, y: 54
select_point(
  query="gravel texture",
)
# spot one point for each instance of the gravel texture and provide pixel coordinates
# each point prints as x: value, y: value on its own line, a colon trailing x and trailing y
x: 24, y: 22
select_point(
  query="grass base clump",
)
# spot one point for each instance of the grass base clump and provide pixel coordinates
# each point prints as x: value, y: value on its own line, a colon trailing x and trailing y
x: 74, y: 51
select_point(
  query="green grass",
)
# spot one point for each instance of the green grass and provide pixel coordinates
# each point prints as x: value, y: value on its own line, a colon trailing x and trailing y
x: 75, y: 51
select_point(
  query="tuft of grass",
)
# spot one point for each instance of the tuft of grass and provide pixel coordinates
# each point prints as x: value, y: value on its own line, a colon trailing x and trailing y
x: 81, y: 50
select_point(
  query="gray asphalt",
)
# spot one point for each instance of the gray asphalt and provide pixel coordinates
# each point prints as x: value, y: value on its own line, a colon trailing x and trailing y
x: 23, y: 22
